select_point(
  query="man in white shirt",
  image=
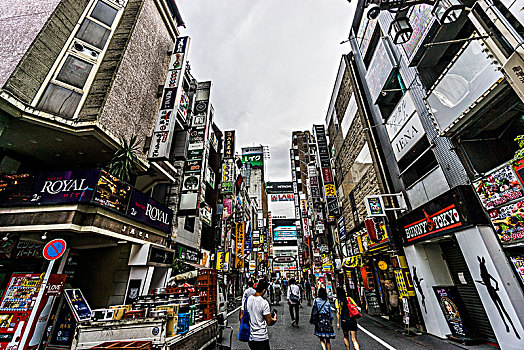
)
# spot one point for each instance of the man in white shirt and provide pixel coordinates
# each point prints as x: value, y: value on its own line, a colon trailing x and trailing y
x: 259, y: 318
x: 247, y: 293
x: 293, y: 300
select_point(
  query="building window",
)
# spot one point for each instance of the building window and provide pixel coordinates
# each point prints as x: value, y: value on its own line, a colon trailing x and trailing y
x: 361, y: 164
x: 417, y: 163
x: 70, y: 82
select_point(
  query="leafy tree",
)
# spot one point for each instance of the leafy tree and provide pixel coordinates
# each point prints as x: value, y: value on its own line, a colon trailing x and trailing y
x: 123, y: 163
x: 519, y: 154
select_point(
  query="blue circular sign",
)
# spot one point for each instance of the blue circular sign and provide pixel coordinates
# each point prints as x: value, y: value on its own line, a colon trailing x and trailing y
x: 54, y: 249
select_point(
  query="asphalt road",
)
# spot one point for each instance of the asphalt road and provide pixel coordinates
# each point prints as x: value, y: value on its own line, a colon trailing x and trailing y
x: 372, y: 334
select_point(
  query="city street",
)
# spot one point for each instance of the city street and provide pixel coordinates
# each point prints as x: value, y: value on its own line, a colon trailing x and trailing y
x: 373, y: 334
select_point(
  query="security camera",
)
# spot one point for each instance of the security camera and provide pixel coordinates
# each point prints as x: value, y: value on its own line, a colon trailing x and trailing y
x: 373, y: 11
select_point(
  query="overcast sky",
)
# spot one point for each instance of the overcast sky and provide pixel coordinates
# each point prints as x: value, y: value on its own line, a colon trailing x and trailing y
x: 273, y: 65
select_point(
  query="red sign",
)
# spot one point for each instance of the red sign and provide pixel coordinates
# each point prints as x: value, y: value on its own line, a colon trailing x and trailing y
x: 327, y: 175
x: 54, y: 249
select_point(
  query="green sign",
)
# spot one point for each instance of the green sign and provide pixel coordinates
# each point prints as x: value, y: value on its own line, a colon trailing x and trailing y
x: 256, y: 159
x: 227, y: 187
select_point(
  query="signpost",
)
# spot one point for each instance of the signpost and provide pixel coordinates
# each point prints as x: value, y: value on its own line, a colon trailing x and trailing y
x: 52, y: 250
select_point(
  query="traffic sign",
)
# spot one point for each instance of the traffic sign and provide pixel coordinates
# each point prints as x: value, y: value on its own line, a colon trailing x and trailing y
x: 54, y: 249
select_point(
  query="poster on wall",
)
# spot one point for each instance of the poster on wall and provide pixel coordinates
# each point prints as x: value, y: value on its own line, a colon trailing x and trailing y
x: 66, y: 186
x: 453, y: 309
x: 499, y: 187
x: 518, y: 264
x: 112, y: 193
x: 508, y: 221
x: 420, y: 18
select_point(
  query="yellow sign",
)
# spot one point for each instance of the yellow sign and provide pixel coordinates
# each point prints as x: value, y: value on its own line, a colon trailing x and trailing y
x: 382, y: 265
x: 354, y: 261
x: 239, y: 249
x: 220, y: 261
x: 330, y: 190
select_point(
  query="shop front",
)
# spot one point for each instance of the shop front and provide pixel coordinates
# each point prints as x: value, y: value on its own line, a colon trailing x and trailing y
x: 100, y: 218
x: 462, y: 280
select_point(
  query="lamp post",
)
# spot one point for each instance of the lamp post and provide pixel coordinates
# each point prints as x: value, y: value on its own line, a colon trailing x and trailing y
x: 448, y: 11
x: 400, y: 30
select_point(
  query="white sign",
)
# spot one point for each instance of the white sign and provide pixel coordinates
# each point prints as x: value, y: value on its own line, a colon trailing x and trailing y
x: 407, y: 137
x: 166, y: 119
x: 404, y: 110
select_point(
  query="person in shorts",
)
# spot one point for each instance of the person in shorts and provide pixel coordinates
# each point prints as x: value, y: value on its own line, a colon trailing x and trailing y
x: 344, y: 319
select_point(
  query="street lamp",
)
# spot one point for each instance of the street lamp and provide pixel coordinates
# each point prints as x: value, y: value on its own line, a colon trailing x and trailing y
x: 448, y: 11
x: 400, y: 30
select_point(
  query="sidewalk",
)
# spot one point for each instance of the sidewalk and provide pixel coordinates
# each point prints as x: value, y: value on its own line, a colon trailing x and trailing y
x: 379, y: 324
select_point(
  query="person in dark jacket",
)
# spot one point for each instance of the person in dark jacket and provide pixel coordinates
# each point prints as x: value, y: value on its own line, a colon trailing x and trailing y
x: 321, y: 314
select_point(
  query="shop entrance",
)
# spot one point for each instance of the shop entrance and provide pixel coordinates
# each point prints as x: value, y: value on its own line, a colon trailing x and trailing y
x: 468, y: 293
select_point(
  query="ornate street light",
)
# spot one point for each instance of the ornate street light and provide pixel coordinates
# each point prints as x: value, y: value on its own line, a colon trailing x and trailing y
x: 400, y: 30
x: 448, y: 11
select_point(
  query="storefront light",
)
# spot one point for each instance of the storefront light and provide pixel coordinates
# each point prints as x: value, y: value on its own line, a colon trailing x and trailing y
x: 400, y: 30
x: 448, y: 11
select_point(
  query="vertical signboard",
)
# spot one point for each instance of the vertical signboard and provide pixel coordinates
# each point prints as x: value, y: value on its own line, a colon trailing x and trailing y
x: 228, y: 176
x: 239, y: 249
x: 229, y: 144
x: 166, y: 119
x: 327, y: 176
x: 305, y: 221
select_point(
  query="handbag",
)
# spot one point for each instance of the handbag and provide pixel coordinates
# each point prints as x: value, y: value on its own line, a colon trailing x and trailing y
x: 353, y: 309
x: 314, y: 315
x: 244, y: 330
x: 293, y: 297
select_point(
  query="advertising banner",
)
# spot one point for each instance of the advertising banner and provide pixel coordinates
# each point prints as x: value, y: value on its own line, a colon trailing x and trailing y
x: 171, y: 97
x: 498, y: 187
x: 228, y: 177
x: 375, y: 206
x: 253, y: 159
x: 341, y: 228
x: 66, y: 186
x: 112, y: 193
x: 227, y: 208
x: 229, y: 144
x: 207, y: 215
x: 145, y: 209
x: 453, y: 309
x: 239, y: 249
x: 196, y: 139
x: 281, y: 233
x: 279, y: 187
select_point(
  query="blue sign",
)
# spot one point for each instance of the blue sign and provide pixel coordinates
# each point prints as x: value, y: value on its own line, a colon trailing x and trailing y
x: 54, y: 249
x: 341, y: 228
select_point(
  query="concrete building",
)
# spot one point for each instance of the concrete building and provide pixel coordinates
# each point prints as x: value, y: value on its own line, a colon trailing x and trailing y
x: 443, y: 97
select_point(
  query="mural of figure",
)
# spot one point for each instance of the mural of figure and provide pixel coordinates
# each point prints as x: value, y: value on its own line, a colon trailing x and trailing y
x: 417, y: 281
x: 492, y: 291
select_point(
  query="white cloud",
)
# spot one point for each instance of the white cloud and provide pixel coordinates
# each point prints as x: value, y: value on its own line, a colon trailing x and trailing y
x: 273, y: 65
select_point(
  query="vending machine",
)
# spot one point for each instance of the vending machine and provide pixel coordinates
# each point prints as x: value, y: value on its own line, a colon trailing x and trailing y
x: 16, y: 305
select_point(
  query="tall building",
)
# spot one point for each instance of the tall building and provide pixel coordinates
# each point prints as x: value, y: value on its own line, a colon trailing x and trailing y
x: 444, y: 101
x: 79, y: 78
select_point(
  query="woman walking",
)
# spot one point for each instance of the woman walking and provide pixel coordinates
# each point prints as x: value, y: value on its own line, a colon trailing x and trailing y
x: 322, y: 319
x: 349, y: 324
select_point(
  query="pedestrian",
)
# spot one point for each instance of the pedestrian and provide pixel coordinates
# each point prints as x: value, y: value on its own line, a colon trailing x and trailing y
x: 344, y: 319
x: 308, y: 292
x: 284, y: 285
x: 323, y: 319
x: 247, y: 293
x: 293, y: 300
x: 278, y: 292
x: 259, y: 318
x: 271, y: 291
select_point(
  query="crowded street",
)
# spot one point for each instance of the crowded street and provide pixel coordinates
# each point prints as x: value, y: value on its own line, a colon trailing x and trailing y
x: 373, y: 333
x: 261, y: 174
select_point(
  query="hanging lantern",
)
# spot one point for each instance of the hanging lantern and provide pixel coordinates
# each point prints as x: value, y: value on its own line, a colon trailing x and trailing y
x: 400, y: 30
x: 448, y: 11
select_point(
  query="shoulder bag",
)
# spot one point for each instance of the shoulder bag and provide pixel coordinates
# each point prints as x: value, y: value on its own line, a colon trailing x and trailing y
x: 353, y: 309
x: 244, y: 329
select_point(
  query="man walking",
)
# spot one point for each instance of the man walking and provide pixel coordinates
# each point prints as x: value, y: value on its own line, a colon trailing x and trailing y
x: 307, y: 287
x: 259, y: 318
x: 293, y: 300
x: 247, y: 293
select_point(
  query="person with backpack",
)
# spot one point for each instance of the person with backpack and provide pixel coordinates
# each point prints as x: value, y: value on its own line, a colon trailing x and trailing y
x: 293, y: 300
x: 255, y: 319
x: 322, y: 318
x: 344, y: 318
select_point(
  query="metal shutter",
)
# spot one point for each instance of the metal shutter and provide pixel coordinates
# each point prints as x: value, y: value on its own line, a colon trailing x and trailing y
x: 468, y: 292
